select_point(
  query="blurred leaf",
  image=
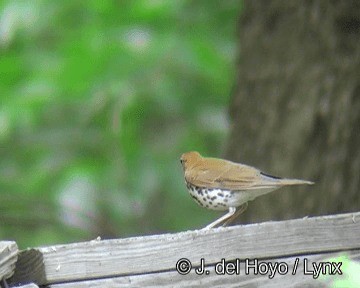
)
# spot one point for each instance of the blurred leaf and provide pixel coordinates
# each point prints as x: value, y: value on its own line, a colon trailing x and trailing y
x: 99, y: 99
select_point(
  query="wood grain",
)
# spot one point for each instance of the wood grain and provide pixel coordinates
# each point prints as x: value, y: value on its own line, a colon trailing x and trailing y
x: 174, y: 279
x: 8, y: 258
x: 159, y: 253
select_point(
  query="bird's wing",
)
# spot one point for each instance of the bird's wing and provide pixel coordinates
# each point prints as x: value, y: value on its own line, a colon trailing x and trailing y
x: 231, y: 176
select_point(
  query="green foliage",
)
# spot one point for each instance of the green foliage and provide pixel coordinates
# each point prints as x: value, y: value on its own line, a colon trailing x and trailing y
x: 98, y: 101
x: 350, y: 270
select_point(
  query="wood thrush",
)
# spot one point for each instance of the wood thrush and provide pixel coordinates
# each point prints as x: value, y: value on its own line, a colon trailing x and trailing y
x: 219, y: 184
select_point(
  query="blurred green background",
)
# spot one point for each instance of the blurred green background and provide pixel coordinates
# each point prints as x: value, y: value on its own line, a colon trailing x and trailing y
x: 98, y: 101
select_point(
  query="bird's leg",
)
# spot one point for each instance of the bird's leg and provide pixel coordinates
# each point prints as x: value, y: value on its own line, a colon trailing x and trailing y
x: 238, y: 212
x: 228, y: 215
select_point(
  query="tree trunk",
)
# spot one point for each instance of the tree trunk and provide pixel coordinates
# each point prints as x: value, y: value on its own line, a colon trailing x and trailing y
x: 295, y: 112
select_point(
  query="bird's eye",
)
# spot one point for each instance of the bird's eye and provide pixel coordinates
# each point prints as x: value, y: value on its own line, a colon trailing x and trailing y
x: 181, y: 161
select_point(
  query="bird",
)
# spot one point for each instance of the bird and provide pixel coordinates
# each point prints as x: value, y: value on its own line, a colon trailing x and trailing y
x: 223, y: 185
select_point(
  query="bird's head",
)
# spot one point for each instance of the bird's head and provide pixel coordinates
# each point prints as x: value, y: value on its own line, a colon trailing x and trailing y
x: 189, y: 159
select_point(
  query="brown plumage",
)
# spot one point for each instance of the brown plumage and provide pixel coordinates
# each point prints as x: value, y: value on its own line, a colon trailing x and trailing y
x: 224, y: 185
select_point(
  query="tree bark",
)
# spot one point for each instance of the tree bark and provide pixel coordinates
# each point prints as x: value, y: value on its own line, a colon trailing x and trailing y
x: 295, y: 112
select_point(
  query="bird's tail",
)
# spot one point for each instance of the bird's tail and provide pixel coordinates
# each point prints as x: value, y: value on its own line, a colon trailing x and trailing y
x: 284, y: 181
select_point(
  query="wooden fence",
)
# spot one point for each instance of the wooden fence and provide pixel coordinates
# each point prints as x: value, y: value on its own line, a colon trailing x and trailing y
x: 308, y: 252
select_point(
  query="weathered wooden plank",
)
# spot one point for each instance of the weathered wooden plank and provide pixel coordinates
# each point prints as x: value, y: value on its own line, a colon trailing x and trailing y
x: 30, y: 285
x: 142, y: 255
x: 8, y: 257
x: 174, y: 279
